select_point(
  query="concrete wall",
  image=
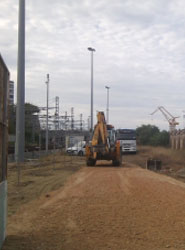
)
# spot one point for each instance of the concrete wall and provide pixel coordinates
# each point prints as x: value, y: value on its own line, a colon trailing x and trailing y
x: 177, y: 139
x: 3, y: 211
x: 4, y: 83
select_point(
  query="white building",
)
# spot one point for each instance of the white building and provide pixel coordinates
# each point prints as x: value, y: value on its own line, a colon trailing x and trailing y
x: 11, y: 92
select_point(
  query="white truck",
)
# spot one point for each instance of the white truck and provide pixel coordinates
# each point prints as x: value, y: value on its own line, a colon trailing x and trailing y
x: 127, y: 138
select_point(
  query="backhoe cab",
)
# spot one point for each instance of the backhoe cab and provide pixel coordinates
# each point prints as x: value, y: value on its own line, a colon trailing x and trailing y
x: 103, y: 145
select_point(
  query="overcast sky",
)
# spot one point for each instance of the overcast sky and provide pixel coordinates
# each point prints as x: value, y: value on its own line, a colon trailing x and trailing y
x: 140, y: 54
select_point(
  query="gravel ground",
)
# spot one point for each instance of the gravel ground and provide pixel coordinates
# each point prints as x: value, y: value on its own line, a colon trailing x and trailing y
x: 104, y: 208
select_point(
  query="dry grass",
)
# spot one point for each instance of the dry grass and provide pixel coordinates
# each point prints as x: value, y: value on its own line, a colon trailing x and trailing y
x: 51, y: 172
x: 39, y: 177
x: 171, y: 159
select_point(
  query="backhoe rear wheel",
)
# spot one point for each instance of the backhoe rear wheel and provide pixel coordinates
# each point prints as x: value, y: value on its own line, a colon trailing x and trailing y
x: 91, y: 162
x: 117, y: 162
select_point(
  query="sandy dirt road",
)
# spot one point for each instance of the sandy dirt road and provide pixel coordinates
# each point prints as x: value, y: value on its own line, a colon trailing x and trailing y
x: 104, y: 208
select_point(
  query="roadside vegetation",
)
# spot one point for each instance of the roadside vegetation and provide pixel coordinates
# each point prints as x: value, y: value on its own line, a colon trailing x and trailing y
x: 32, y: 126
x: 151, y: 135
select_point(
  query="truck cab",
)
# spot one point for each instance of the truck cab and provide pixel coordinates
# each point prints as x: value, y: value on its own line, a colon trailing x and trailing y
x: 127, y: 138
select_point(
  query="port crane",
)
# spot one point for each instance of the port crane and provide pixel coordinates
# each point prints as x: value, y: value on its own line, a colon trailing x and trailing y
x: 169, y: 117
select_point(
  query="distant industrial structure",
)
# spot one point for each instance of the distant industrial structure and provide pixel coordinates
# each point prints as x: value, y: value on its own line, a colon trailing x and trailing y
x: 177, y: 137
x: 11, y: 92
x: 56, y: 121
x: 169, y: 117
x: 62, y: 129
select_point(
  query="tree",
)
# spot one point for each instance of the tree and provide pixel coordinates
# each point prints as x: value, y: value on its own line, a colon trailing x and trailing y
x: 32, y: 125
x: 164, y: 139
x: 145, y: 133
x: 151, y: 135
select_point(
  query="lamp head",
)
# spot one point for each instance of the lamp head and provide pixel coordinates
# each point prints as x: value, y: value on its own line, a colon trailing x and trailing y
x: 91, y: 49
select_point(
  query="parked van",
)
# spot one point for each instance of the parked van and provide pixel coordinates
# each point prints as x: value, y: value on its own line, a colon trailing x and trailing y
x: 77, y: 149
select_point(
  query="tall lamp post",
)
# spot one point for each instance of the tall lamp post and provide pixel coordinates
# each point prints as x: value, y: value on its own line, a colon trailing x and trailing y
x: 91, y: 50
x: 20, y: 116
x: 107, y: 103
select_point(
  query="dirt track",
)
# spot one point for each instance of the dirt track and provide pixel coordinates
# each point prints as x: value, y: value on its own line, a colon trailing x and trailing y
x: 104, y: 208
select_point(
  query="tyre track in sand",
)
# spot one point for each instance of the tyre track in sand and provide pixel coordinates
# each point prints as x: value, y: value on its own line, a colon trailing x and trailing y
x: 104, y: 208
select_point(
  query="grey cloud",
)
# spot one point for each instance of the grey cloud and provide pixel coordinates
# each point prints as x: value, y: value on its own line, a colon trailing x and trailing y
x: 139, y: 52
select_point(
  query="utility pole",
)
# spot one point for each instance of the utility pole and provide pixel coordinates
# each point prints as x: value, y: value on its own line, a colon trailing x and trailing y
x: 66, y: 120
x: 56, y: 113
x: 92, y: 50
x: 47, y: 107
x: 72, y: 118
x: 40, y: 141
x: 107, y: 103
x: 56, y: 120
x: 20, y: 115
x: 88, y: 123
x: 81, y: 122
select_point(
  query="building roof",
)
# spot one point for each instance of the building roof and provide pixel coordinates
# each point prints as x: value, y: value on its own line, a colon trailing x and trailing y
x: 3, y: 63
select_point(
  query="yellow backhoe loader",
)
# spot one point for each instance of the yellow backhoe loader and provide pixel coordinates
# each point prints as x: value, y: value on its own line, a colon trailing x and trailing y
x: 103, y: 145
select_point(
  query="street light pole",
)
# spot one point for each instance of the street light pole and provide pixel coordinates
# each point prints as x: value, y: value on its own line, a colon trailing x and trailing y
x: 47, y: 101
x: 91, y: 50
x: 107, y: 103
x: 20, y: 116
